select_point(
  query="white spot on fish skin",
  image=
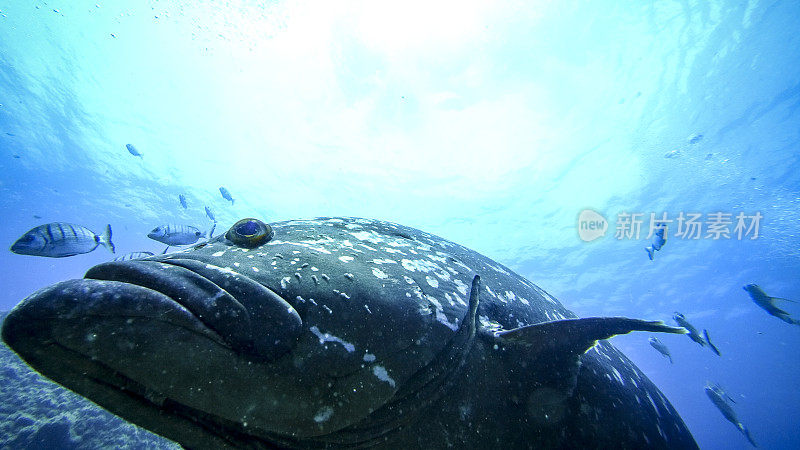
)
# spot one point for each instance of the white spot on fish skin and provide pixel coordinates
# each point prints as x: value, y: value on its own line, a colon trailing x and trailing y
x: 255, y: 269
x: 379, y: 273
x: 315, y: 279
x: 367, y: 308
x: 369, y: 357
x: 300, y: 299
x: 346, y: 259
x: 440, y: 316
x: 236, y: 264
x: 325, y: 337
x: 408, y: 279
x: 285, y: 282
x: 278, y: 255
x: 383, y: 375
x: 421, y: 265
x: 304, y: 265
x: 326, y: 278
x: 432, y: 281
x: 324, y: 414
x: 460, y: 286
x: 344, y: 296
x: 349, y: 276
x: 369, y: 236
x: 384, y: 261
x: 443, y: 275
x: 330, y: 311
x: 440, y: 259
x: 314, y: 269
x: 220, y: 253
x: 298, y: 276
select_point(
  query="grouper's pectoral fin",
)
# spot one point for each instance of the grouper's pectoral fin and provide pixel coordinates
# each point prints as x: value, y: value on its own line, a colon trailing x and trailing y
x: 553, y: 350
x: 424, y: 388
x: 576, y: 336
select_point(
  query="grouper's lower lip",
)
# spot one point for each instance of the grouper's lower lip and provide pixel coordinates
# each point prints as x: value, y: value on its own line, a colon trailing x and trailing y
x: 73, y: 310
x: 98, y: 337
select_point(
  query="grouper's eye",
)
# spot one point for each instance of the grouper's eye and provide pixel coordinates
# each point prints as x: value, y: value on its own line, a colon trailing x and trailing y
x: 249, y: 233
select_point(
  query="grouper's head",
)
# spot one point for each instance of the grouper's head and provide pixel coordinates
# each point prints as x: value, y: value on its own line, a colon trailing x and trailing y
x: 277, y: 333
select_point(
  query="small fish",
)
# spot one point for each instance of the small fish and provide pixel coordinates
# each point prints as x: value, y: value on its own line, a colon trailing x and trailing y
x: 694, y: 335
x: 658, y: 345
x: 672, y: 154
x: 182, y: 199
x: 226, y: 195
x: 210, y: 215
x: 36, y: 216
x: 60, y: 239
x: 16, y: 156
x: 723, y: 403
x: 176, y: 234
x: 132, y: 150
x: 767, y: 303
x: 659, y: 239
x: 694, y: 138
x: 133, y: 255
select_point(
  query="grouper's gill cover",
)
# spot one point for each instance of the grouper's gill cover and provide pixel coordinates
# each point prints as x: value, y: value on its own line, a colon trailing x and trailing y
x: 340, y: 332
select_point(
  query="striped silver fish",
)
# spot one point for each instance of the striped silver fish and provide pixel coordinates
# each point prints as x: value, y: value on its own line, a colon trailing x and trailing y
x: 60, y: 239
x: 176, y: 234
x: 133, y: 255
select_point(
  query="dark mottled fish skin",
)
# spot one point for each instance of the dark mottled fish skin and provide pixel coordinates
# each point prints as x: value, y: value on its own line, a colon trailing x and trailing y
x: 182, y: 199
x: 176, y: 234
x: 133, y: 255
x: 342, y: 333
x: 133, y: 151
x: 226, y: 195
x: 61, y: 239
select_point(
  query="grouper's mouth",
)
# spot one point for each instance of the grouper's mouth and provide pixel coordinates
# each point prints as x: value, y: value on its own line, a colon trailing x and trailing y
x: 92, y: 334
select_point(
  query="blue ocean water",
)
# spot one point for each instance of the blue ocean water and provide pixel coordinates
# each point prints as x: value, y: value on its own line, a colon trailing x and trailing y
x: 492, y: 124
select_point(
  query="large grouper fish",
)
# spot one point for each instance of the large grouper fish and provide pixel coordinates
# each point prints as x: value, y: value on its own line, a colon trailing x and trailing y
x: 341, y: 333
